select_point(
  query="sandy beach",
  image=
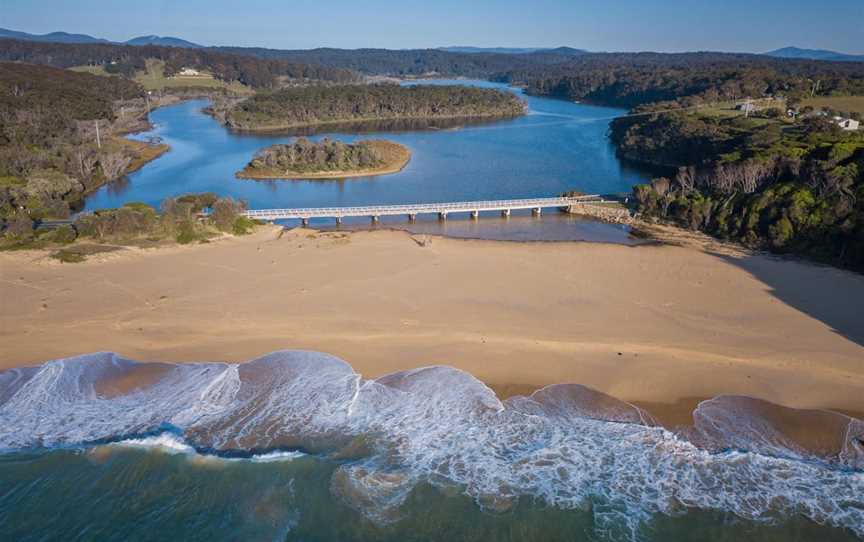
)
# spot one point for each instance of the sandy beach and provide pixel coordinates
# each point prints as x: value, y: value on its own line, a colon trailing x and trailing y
x: 657, y: 325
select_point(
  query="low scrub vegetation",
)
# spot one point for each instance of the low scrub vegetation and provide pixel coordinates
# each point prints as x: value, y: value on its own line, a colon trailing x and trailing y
x: 186, y: 219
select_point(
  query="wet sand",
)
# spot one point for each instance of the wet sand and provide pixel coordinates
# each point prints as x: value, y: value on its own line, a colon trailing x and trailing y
x: 654, y: 325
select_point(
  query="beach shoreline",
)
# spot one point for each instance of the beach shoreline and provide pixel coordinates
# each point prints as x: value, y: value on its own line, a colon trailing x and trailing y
x: 651, y: 324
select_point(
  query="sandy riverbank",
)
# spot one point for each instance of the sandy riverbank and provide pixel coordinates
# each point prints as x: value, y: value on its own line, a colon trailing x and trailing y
x: 650, y: 324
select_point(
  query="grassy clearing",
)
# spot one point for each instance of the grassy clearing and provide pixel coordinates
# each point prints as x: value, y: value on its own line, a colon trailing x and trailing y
x: 94, y: 70
x: 845, y: 104
x: 153, y: 78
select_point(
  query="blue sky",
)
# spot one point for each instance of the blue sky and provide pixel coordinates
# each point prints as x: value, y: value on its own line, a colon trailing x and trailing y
x: 623, y: 25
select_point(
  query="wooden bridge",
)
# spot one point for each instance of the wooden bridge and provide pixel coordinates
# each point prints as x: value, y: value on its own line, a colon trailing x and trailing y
x: 375, y: 212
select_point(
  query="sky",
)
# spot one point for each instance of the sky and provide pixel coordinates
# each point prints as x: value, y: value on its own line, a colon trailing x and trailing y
x: 610, y: 25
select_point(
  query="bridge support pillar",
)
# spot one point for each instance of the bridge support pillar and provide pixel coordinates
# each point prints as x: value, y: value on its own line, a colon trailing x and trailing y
x: 505, y: 213
x: 304, y: 222
x: 442, y: 216
x: 375, y: 219
x: 475, y: 214
x: 536, y: 211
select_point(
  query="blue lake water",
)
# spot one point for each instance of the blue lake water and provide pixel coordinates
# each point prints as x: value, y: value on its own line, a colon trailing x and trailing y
x: 557, y: 146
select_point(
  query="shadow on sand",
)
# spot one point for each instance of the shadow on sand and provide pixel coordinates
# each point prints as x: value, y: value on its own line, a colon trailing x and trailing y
x: 832, y: 296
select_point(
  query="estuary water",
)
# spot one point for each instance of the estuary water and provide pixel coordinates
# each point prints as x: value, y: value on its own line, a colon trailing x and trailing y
x: 558, y: 146
x: 298, y: 446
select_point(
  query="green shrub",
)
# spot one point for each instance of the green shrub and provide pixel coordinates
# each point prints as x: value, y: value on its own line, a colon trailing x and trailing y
x: 69, y: 256
x: 186, y: 233
x: 243, y: 225
x: 64, y: 235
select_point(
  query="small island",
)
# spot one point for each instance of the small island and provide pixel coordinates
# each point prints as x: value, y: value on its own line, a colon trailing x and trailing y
x: 298, y: 107
x: 326, y: 159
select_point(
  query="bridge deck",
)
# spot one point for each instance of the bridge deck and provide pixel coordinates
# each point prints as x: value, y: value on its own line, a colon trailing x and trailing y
x: 420, y: 208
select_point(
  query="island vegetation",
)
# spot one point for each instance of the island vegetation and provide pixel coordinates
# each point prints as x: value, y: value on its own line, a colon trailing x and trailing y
x: 326, y: 159
x: 305, y: 106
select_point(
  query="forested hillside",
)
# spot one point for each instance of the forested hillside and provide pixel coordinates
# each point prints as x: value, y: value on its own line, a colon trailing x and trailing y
x: 633, y: 79
x: 302, y: 106
x: 412, y: 62
x: 126, y: 60
x: 788, y: 184
x: 49, y: 157
x: 765, y: 180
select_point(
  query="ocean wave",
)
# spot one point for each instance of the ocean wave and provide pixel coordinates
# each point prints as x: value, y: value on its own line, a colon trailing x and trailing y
x: 566, y: 445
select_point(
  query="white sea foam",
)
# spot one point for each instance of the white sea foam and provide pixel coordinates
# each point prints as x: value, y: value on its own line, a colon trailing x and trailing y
x: 272, y: 457
x: 165, y: 442
x: 567, y: 446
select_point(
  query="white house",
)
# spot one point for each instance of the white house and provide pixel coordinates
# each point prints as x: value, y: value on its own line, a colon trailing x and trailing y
x: 847, y: 124
x: 189, y: 72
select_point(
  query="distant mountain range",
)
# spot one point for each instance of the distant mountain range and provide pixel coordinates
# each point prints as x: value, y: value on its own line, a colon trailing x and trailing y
x: 168, y: 41
x: 65, y: 37
x: 814, y: 54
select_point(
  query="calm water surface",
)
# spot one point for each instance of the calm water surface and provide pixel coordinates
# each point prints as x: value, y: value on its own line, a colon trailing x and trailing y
x: 558, y: 146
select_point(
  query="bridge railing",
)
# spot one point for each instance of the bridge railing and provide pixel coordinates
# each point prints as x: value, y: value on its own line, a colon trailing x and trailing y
x: 420, y: 208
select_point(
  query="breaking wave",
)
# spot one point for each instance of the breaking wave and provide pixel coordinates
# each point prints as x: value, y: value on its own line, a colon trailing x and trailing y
x: 565, y: 445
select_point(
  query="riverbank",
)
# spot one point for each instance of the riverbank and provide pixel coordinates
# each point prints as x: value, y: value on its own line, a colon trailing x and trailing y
x: 648, y: 324
x: 393, y: 155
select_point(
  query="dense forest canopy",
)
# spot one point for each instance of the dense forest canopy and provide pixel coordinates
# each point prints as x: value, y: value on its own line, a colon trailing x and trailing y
x: 311, y: 105
x: 303, y: 156
x: 633, y: 79
x: 127, y: 60
x: 766, y: 180
x: 411, y: 62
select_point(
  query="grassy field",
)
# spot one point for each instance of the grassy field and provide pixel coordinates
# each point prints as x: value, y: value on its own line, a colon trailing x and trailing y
x: 845, y: 104
x: 153, y: 78
x: 95, y: 70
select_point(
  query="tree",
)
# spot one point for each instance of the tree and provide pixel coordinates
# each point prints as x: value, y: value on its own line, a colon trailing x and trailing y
x: 114, y: 164
x: 225, y: 213
x: 20, y: 225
